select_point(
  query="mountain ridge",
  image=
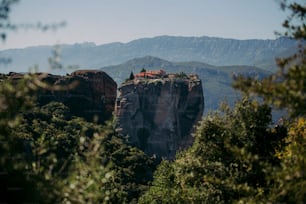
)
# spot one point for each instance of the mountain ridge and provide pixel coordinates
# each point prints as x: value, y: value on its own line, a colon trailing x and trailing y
x: 215, y: 79
x: 210, y: 50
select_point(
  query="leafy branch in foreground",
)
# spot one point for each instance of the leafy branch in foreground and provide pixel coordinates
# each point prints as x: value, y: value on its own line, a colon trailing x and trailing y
x: 62, y: 159
x: 226, y: 163
x: 286, y: 89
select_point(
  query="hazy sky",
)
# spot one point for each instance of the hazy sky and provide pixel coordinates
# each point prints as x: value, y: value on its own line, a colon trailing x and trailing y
x: 105, y: 21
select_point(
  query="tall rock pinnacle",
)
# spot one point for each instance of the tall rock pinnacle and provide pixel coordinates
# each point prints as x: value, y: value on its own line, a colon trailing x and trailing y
x: 157, y: 111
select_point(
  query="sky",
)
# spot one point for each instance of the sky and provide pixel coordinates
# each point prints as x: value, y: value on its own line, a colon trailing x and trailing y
x: 106, y: 21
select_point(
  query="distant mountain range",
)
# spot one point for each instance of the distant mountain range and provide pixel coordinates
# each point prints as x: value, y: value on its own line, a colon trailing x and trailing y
x: 216, y: 80
x: 215, y: 51
x: 215, y: 60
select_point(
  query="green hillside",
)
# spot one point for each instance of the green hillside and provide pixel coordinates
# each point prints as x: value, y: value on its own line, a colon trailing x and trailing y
x: 216, y: 80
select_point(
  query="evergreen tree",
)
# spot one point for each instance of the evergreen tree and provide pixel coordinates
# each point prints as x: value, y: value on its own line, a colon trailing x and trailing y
x: 227, y: 161
x: 286, y: 89
x: 132, y: 76
x: 54, y: 157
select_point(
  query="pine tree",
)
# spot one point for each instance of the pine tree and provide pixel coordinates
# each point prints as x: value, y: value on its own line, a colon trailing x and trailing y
x: 132, y: 76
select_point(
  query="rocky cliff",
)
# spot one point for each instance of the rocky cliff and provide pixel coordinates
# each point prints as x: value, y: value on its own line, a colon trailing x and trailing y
x: 89, y: 94
x: 158, y: 115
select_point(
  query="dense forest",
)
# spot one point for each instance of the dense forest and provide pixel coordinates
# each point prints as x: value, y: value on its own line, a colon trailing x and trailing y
x: 48, y: 155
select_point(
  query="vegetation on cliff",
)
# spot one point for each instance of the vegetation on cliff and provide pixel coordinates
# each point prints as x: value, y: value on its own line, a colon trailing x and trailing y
x: 47, y: 155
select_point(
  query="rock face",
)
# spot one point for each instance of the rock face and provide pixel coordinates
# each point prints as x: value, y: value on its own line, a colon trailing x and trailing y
x: 158, y: 115
x: 89, y: 94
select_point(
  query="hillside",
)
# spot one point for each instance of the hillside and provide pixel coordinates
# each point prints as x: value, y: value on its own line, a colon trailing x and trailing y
x: 216, y: 80
x: 215, y: 51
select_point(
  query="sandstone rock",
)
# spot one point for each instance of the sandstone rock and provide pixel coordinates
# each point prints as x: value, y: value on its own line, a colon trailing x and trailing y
x: 89, y: 94
x: 158, y: 115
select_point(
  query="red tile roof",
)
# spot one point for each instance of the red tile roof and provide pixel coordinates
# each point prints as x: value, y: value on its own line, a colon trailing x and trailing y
x: 151, y: 74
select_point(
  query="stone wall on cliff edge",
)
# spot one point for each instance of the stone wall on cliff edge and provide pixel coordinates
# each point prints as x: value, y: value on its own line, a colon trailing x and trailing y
x: 158, y: 115
x: 90, y: 94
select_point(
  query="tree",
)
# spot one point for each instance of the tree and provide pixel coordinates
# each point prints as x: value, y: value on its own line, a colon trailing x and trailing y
x: 286, y: 89
x: 62, y: 158
x: 131, y: 76
x: 7, y: 25
x: 295, y: 22
x: 5, y: 9
x: 14, y: 99
x: 288, y: 182
x: 226, y: 162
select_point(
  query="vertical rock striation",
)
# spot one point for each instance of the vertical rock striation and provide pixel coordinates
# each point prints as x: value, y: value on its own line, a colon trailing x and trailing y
x: 90, y: 94
x: 93, y: 95
x: 158, y: 115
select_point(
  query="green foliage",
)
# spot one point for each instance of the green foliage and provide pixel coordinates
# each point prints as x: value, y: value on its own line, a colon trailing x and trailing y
x: 14, y: 98
x: 49, y: 156
x: 288, y: 182
x: 227, y: 161
x: 6, y: 25
x: 143, y: 70
x: 287, y: 87
x: 295, y: 22
x: 182, y: 75
x: 53, y: 157
x: 131, y: 76
x: 84, y: 162
x: 5, y: 8
x: 287, y: 90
